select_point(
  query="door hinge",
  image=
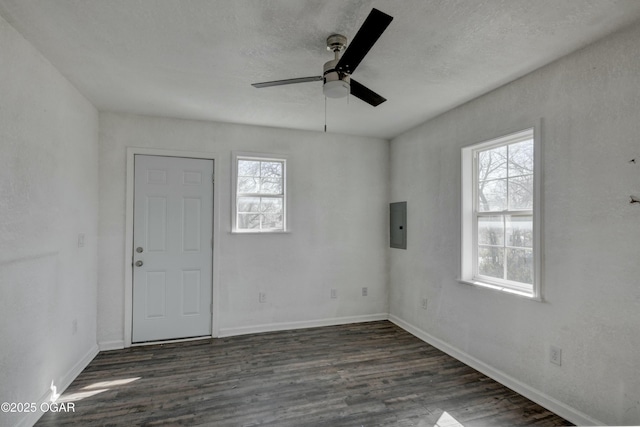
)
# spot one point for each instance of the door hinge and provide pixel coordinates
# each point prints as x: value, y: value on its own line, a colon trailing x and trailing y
x: 213, y: 178
x: 211, y: 308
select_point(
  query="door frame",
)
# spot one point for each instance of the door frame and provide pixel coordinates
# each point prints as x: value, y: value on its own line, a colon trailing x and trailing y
x: 128, y: 238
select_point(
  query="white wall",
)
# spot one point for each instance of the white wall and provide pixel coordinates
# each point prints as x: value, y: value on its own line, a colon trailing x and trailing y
x: 48, y: 195
x: 589, y: 103
x: 338, y: 188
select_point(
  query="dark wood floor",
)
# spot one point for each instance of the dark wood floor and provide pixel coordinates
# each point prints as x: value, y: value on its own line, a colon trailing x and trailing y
x: 368, y: 374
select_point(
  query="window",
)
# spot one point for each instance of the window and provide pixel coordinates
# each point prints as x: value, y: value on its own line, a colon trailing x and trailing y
x: 260, y: 202
x: 500, y: 220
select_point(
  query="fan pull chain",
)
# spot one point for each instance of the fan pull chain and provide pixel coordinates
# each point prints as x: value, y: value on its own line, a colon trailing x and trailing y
x: 325, y: 114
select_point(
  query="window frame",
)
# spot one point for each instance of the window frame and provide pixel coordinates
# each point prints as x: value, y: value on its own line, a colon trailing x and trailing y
x: 261, y: 157
x: 469, y: 215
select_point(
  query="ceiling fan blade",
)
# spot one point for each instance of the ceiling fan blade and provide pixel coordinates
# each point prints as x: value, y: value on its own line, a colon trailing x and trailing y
x: 366, y: 94
x: 288, y: 81
x: 365, y: 38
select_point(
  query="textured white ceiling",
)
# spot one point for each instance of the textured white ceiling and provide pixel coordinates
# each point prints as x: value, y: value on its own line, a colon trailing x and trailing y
x: 197, y: 58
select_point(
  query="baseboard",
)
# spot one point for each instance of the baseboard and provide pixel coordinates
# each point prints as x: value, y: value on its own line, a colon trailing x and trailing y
x: 285, y: 326
x: 542, y: 399
x: 32, y: 417
x: 111, y: 345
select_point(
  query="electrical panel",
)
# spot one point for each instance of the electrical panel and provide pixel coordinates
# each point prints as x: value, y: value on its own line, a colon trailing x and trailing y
x: 398, y: 225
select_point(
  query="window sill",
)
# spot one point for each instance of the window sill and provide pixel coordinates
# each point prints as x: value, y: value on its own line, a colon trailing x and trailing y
x: 501, y: 289
x: 253, y: 233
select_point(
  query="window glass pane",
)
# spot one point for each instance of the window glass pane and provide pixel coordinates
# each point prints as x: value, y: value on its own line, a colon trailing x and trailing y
x: 260, y: 199
x: 271, y: 186
x: 498, y: 205
x: 492, y: 164
x: 491, y: 262
x: 247, y: 184
x: 521, y: 158
x: 492, y: 195
x: 521, y: 193
x: 271, y: 205
x: 249, y: 221
x: 520, y: 265
x: 491, y: 230
x: 248, y: 204
x: 273, y: 221
x: 271, y: 169
x: 520, y: 231
x: 248, y: 168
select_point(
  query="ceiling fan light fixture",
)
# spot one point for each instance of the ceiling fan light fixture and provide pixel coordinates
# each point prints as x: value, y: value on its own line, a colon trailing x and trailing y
x: 336, y: 89
x: 336, y: 85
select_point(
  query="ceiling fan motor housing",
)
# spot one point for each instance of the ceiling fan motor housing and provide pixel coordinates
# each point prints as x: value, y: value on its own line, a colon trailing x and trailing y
x: 336, y: 84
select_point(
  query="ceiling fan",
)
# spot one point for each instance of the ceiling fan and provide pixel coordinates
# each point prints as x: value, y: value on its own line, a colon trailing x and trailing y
x: 337, y: 72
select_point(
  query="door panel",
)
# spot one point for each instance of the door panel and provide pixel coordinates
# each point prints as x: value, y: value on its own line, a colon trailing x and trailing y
x: 191, y: 292
x: 156, y: 291
x: 156, y: 219
x: 191, y: 208
x: 173, y: 216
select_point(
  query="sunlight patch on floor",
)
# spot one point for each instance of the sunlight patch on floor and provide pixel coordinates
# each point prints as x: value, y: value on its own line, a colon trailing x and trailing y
x: 109, y: 384
x: 446, y: 420
x: 92, y: 390
x: 74, y: 397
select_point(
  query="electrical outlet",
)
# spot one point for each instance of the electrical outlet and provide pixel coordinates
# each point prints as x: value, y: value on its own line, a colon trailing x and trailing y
x: 81, y: 240
x: 365, y: 291
x: 424, y: 303
x: 262, y: 297
x: 334, y: 293
x: 555, y: 355
x: 74, y: 326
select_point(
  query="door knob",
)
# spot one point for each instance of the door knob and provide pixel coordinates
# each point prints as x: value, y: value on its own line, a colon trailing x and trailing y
x: 139, y: 263
x: 139, y: 249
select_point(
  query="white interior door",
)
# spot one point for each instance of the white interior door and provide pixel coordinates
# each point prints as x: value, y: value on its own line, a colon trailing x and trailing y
x: 172, y: 253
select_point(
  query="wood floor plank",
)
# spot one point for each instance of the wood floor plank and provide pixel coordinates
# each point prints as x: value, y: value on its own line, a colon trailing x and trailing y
x: 368, y: 374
